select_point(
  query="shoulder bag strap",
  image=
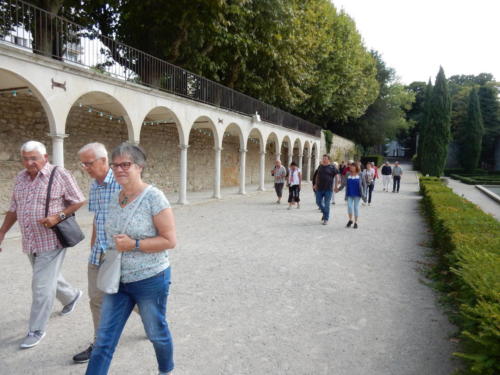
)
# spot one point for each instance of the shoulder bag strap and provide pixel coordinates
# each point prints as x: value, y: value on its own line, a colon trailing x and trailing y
x: 49, y: 187
x: 139, y: 200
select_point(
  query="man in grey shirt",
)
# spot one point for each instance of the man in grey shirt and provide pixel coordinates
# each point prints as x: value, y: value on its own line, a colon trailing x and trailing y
x: 397, y: 172
x: 279, y: 173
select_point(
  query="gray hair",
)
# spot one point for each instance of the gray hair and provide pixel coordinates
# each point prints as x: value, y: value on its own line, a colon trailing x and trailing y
x: 97, y: 148
x: 136, y: 153
x: 34, y: 146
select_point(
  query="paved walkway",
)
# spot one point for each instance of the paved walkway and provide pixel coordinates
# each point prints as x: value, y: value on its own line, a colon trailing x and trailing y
x: 476, y: 196
x: 258, y: 289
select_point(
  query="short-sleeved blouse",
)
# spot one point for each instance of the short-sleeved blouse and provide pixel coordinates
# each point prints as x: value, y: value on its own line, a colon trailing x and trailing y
x: 138, y: 265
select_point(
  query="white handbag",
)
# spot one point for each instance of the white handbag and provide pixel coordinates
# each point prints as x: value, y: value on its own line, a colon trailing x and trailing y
x: 109, y: 274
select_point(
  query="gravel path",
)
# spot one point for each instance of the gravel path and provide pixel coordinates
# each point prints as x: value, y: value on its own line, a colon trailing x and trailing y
x: 258, y: 289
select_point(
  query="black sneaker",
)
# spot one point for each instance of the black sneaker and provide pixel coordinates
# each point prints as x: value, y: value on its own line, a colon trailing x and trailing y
x: 84, y: 356
x: 355, y: 226
x: 349, y: 223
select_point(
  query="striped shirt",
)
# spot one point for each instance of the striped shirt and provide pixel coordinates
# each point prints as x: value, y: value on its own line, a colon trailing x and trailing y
x: 28, y: 202
x: 99, y: 198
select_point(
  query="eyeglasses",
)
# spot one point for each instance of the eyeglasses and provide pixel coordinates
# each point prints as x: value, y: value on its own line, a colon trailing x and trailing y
x: 124, y: 166
x: 87, y: 164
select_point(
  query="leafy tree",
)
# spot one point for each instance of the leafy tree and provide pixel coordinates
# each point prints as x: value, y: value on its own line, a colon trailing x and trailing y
x: 437, y: 129
x: 470, y: 134
x: 385, y: 117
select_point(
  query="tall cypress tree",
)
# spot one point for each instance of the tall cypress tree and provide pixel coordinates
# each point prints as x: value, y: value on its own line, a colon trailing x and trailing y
x: 490, y: 110
x: 423, y: 123
x: 470, y: 134
x: 437, y: 132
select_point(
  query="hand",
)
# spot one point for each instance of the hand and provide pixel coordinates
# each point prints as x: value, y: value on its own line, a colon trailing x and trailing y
x: 49, y: 221
x: 124, y: 242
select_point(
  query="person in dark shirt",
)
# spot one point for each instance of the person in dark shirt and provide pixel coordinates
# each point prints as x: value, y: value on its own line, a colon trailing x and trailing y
x: 324, y: 183
x: 386, y: 175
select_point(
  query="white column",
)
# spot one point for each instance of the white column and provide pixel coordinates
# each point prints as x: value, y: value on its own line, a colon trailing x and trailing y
x: 309, y: 172
x: 290, y: 158
x: 217, y: 173
x: 262, y: 171
x: 58, y: 149
x: 301, y: 158
x: 243, y: 154
x: 278, y: 157
x: 183, y: 175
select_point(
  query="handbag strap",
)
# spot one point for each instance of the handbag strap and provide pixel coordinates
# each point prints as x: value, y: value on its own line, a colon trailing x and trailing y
x: 49, y: 187
x: 137, y: 204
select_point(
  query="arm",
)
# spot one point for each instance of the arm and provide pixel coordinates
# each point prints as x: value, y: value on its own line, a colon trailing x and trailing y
x: 50, y: 221
x: 166, y: 239
x: 92, y: 240
x: 8, y: 222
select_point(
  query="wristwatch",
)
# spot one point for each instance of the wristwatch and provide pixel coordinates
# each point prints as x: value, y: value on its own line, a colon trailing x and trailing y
x: 137, y: 246
x: 62, y: 216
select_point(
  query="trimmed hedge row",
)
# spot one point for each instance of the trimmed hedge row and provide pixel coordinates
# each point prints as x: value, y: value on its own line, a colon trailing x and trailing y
x: 477, y: 180
x: 467, y: 244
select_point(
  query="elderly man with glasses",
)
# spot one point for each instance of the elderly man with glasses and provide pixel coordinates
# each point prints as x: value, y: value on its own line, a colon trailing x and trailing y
x: 40, y: 242
x: 94, y: 160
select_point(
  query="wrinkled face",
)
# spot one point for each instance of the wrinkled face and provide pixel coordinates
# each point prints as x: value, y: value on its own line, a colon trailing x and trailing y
x: 278, y: 163
x: 125, y: 170
x: 95, y: 167
x: 33, y: 161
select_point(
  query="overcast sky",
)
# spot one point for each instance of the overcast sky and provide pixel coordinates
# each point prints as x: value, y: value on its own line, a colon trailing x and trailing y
x: 415, y: 37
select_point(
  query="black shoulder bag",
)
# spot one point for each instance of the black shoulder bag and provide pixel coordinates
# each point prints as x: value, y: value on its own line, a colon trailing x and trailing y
x: 68, y: 231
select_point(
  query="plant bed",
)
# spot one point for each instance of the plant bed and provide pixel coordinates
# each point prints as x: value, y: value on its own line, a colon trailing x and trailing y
x: 466, y: 242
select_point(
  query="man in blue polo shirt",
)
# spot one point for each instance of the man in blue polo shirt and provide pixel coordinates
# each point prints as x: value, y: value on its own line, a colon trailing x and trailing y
x: 94, y: 160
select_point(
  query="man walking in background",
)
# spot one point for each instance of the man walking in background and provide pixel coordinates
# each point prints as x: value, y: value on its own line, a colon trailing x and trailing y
x: 397, y: 173
x: 279, y: 173
x: 386, y: 175
x: 323, y: 185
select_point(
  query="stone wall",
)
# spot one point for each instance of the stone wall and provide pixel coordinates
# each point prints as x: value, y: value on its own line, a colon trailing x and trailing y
x: 342, y: 148
x: 22, y: 118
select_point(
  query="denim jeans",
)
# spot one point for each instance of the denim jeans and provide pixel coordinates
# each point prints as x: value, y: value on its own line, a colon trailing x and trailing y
x: 323, y: 198
x: 151, y: 297
x: 353, y: 206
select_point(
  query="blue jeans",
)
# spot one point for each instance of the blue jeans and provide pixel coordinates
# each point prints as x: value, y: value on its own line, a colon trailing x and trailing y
x: 151, y: 297
x: 353, y: 206
x: 323, y: 198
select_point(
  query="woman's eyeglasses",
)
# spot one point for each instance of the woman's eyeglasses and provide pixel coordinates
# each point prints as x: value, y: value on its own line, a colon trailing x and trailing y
x: 124, y: 166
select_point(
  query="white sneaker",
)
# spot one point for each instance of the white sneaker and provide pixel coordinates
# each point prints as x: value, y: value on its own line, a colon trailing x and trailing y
x: 32, y: 339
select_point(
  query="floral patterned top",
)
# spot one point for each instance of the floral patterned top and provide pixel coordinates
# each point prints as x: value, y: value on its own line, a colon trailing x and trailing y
x: 138, y: 265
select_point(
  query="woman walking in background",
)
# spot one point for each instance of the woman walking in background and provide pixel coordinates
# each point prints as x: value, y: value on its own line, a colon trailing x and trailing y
x: 294, y: 181
x: 369, y: 176
x: 355, y: 191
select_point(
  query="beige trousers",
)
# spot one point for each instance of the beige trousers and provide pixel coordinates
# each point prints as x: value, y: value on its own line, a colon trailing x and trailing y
x: 96, y: 296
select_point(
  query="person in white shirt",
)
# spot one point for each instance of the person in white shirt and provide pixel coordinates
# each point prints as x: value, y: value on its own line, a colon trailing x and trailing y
x: 294, y: 181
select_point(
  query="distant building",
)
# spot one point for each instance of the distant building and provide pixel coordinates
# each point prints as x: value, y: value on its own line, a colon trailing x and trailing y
x: 394, y: 148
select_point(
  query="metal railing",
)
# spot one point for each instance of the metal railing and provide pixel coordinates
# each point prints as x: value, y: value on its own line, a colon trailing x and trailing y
x: 48, y: 34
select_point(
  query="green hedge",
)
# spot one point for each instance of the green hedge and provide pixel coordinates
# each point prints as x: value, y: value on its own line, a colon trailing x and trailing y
x: 477, y: 180
x: 467, y: 244
x: 377, y: 159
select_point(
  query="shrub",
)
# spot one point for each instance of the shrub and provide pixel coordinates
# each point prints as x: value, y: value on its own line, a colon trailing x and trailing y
x: 377, y: 159
x: 477, y: 180
x: 467, y: 245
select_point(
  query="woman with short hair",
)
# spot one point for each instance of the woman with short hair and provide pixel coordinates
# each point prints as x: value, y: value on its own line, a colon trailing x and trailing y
x: 145, y: 268
x: 355, y: 191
